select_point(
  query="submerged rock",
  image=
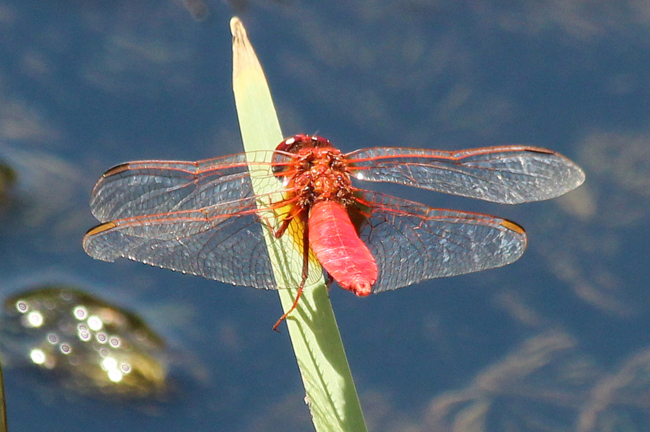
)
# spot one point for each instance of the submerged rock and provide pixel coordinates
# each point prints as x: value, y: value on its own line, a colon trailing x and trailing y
x: 89, y: 345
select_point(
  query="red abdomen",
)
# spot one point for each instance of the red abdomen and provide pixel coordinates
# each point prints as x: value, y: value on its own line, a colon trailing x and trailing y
x: 339, y: 249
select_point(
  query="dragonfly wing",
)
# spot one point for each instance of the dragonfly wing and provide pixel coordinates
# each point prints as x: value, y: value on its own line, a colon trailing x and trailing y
x: 223, y: 242
x: 507, y: 174
x: 149, y: 187
x: 412, y: 242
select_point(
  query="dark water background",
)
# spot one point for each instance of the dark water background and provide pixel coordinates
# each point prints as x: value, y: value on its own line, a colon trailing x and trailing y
x: 559, y: 340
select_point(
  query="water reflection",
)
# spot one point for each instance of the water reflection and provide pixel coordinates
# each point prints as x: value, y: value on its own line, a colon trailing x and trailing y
x: 90, y: 345
x: 619, y: 164
x: 610, y: 212
x: 201, y: 12
x: 548, y: 384
x: 619, y: 402
x: 197, y: 8
x: 539, y: 386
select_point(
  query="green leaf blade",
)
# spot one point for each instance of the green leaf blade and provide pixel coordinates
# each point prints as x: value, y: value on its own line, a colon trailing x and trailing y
x: 330, y: 391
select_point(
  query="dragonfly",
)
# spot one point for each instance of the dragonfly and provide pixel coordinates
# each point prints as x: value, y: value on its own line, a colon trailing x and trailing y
x: 205, y: 218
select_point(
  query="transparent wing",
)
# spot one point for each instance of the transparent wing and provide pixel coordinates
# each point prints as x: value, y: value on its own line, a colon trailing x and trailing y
x: 412, y: 242
x: 150, y: 187
x: 507, y: 175
x: 223, y: 242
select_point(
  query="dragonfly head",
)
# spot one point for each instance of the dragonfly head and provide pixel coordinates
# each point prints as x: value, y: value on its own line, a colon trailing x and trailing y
x: 294, y: 144
x: 300, y: 141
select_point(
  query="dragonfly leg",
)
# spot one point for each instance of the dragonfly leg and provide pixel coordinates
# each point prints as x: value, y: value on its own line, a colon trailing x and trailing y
x: 303, y: 279
x: 284, y: 224
x: 295, y: 303
x: 283, y: 227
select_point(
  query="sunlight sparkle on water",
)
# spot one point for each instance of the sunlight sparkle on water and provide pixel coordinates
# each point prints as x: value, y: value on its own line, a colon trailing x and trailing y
x: 80, y: 312
x: 37, y: 356
x: 34, y: 319
x: 95, y: 323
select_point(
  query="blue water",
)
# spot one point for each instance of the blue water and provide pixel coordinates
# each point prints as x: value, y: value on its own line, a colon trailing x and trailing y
x: 560, y: 339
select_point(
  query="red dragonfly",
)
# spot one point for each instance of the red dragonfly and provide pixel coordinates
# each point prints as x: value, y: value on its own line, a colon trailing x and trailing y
x: 204, y: 218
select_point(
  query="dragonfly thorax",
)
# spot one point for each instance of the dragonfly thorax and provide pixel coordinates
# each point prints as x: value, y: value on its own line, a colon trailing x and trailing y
x: 320, y: 174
